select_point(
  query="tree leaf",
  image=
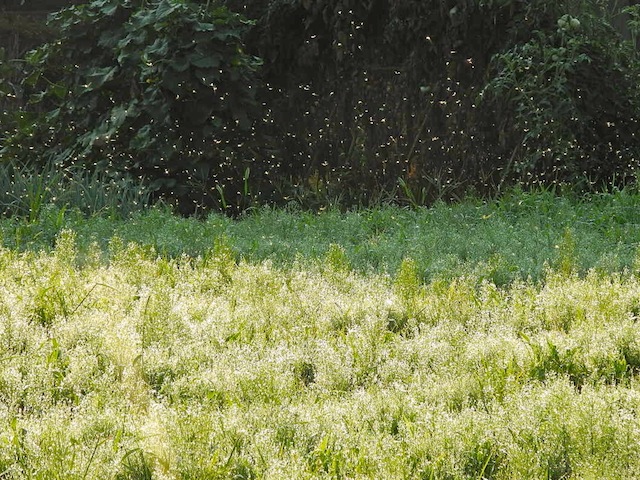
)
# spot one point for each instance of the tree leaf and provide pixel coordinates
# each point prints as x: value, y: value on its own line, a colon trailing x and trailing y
x: 204, y: 61
x: 159, y: 48
x: 110, y: 10
x: 118, y: 116
x: 143, y: 139
x: 164, y: 9
x: 204, y: 27
x: 99, y: 76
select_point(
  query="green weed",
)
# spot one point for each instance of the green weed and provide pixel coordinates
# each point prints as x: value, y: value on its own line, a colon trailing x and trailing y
x: 26, y: 193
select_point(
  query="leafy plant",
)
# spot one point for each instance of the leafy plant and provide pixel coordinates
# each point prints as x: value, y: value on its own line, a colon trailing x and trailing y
x: 364, y: 93
x: 568, y: 103
x: 27, y: 192
x: 160, y: 91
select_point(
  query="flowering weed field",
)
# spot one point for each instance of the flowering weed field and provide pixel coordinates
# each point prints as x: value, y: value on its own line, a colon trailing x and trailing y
x: 474, y: 341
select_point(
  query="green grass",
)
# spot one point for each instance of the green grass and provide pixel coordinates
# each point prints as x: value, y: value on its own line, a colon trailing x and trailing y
x: 27, y: 193
x: 515, y: 238
x: 470, y: 341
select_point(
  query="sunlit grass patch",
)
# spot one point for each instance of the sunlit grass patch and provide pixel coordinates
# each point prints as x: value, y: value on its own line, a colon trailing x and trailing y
x: 128, y: 363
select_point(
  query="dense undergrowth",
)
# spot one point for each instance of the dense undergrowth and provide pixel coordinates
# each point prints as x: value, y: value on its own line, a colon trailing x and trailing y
x: 479, y: 340
x: 516, y: 237
x: 219, y: 104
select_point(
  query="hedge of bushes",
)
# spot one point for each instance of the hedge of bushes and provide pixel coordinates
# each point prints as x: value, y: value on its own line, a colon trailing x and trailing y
x: 224, y: 104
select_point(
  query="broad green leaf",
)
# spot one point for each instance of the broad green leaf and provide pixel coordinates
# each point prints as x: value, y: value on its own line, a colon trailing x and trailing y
x: 36, y: 56
x: 243, y: 120
x: 99, y: 76
x: 165, y: 8
x: 110, y: 10
x: 204, y: 61
x: 108, y: 38
x: 143, y: 139
x: 204, y: 27
x: 159, y: 48
x: 53, y: 115
x: 224, y: 36
x: 118, y: 116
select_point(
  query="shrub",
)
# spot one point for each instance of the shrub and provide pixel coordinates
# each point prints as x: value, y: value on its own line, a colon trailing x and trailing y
x: 438, y: 97
x: 568, y: 101
x: 161, y: 91
x: 356, y: 100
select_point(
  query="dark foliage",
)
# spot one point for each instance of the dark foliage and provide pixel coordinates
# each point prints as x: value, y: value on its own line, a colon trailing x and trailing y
x: 436, y: 94
x: 421, y: 99
x: 161, y: 91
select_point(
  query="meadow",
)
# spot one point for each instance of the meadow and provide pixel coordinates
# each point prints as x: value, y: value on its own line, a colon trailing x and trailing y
x: 480, y: 340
